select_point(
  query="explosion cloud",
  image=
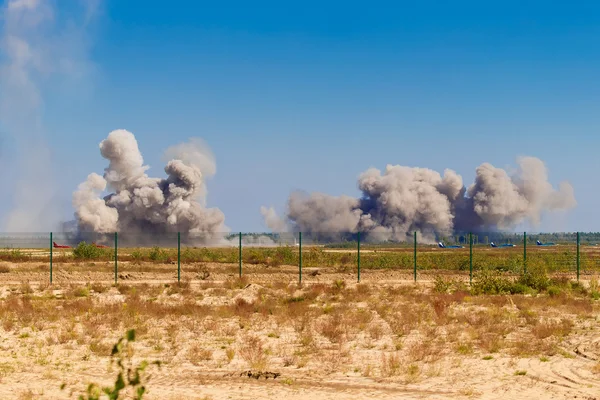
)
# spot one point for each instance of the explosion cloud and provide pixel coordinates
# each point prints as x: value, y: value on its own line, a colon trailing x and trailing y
x: 139, y: 203
x: 405, y: 199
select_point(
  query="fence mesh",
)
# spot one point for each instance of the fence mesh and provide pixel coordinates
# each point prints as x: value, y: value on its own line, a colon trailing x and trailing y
x: 298, y: 256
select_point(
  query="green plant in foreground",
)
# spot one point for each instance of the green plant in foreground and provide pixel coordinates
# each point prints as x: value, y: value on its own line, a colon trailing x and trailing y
x: 129, y: 376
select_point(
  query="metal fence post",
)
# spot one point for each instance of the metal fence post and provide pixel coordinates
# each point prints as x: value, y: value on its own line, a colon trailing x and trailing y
x: 116, y: 257
x: 240, y: 255
x: 470, y: 258
x: 358, y: 255
x: 524, y: 252
x: 578, y: 259
x: 300, y: 257
x: 51, y: 246
x: 178, y: 256
x: 415, y: 256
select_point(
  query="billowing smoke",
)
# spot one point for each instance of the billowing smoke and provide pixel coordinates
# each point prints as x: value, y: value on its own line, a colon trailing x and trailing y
x: 139, y: 203
x: 402, y: 200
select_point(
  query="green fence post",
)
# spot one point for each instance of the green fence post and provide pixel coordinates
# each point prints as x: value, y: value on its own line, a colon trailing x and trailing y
x: 178, y: 256
x: 524, y: 252
x: 51, y: 246
x: 578, y: 257
x: 358, y: 255
x: 116, y: 257
x: 300, y: 257
x: 240, y: 255
x: 415, y: 256
x: 470, y: 258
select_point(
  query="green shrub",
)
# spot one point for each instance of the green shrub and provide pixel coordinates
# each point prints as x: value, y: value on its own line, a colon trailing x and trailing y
x: 158, y: 254
x: 536, y: 279
x: 519, y: 288
x: 137, y: 256
x: 81, y: 292
x: 491, y: 282
x: 441, y: 284
x: 577, y: 287
x: 87, y: 251
x: 554, y: 291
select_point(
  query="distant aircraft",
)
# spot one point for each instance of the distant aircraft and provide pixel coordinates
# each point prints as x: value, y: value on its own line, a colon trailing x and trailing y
x: 101, y: 246
x: 545, y: 244
x: 443, y: 246
x: 57, y: 246
x: 502, y: 245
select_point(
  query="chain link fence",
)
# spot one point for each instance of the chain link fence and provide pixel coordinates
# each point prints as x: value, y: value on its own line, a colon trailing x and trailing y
x: 298, y: 256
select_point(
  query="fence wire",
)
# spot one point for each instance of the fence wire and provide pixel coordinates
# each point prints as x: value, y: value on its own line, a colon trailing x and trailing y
x: 302, y: 255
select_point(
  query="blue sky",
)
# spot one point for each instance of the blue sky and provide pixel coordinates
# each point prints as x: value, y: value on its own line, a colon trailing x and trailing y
x: 308, y: 95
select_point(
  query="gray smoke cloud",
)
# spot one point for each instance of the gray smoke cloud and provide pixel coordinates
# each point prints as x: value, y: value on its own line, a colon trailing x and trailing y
x: 37, y: 48
x: 403, y: 199
x: 139, y: 203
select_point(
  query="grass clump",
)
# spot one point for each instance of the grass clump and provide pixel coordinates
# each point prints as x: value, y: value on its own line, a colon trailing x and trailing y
x: 520, y: 373
x: 81, y: 292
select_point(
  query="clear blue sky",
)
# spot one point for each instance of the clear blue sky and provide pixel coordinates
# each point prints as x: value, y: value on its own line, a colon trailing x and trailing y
x: 308, y: 95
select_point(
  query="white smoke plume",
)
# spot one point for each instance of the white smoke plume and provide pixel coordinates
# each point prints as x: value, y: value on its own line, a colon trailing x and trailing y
x: 139, y: 203
x: 37, y: 47
x: 402, y: 200
x: 272, y: 220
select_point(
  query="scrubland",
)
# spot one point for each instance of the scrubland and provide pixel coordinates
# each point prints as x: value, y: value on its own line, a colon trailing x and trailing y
x: 267, y: 336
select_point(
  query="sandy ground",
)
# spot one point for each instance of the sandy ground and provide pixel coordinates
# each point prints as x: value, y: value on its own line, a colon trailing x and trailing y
x: 62, y: 337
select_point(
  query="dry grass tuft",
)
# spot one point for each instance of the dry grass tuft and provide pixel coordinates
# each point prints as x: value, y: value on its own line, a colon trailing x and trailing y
x: 544, y: 329
x: 252, y: 351
x: 197, y: 354
x: 391, y: 364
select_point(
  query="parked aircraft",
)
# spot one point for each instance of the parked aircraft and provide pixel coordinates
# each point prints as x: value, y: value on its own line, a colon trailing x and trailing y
x: 502, y: 245
x: 545, y: 244
x: 443, y: 246
x: 101, y: 246
x: 58, y: 246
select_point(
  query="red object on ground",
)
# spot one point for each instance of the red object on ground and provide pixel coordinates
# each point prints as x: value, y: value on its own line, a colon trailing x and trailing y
x: 100, y: 246
x: 57, y: 246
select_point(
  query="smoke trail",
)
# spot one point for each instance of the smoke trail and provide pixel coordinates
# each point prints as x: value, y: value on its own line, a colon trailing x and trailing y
x: 36, y: 47
x: 139, y: 203
x: 405, y: 199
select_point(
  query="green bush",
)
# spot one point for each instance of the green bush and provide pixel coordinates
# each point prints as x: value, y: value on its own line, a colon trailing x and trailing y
x: 536, y: 279
x: 519, y: 288
x: 491, y: 282
x: 85, y: 251
x: 81, y: 292
x: 158, y: 254
x: 554, y: 291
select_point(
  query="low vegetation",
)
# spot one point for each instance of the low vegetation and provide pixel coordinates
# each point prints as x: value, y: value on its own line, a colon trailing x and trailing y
x: 556, y: 259
x: 403, y: 333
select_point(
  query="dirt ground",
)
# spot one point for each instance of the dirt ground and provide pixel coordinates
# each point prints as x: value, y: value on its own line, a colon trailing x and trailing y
x: 331, y: 338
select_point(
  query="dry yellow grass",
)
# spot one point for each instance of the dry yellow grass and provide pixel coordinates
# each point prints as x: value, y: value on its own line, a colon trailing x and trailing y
x: 349, y: 338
